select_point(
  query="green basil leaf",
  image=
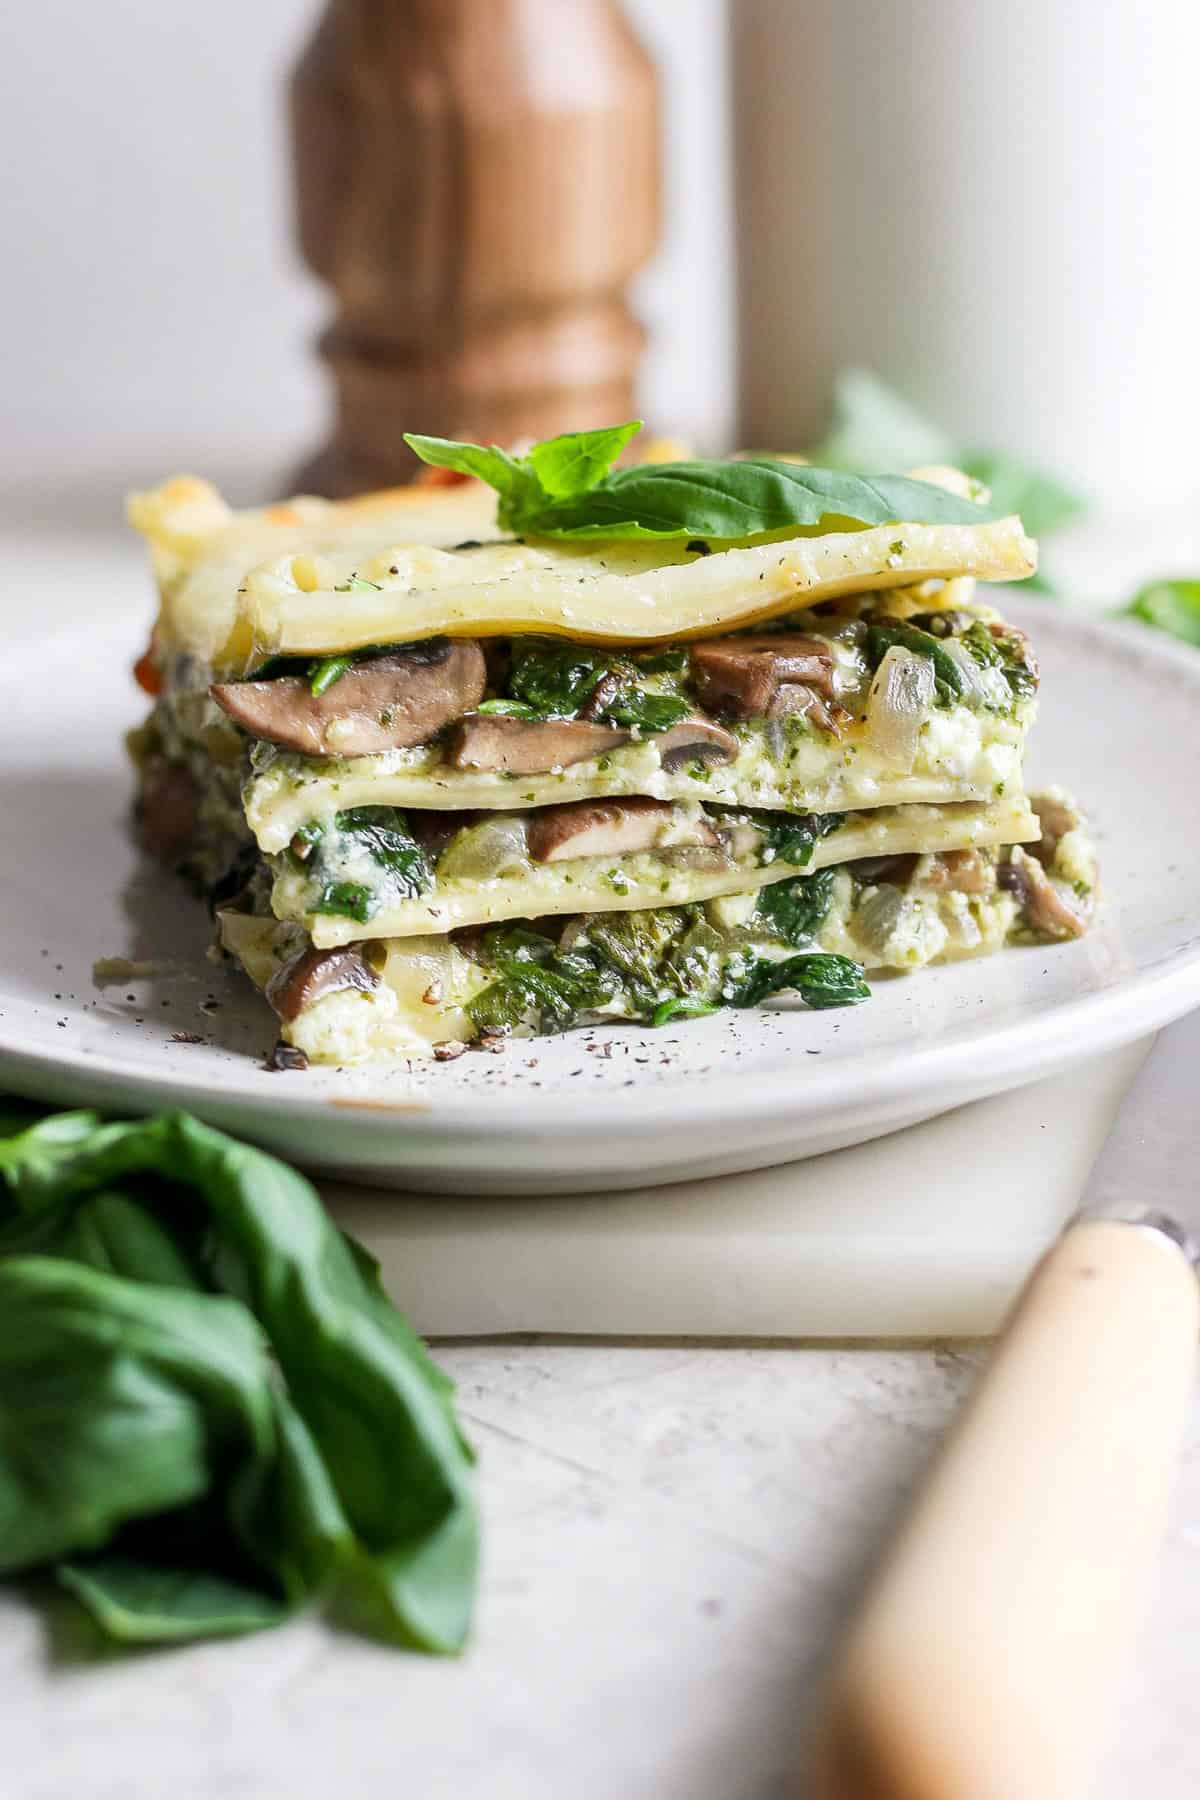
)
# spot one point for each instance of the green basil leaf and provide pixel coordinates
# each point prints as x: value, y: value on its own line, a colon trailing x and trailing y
x: 1171, y: 606
x: 559, y: 490
x: 570, y: 464
x: 140, y: 1603
x: 1044, y: 502
x: 747, y: 499
x: 351, y: 1430
x: 874, y: 427
x: 485, y: 461
x: 120, y: 1399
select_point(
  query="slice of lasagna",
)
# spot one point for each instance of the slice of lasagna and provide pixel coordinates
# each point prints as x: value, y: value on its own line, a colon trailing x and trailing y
x: 442, y: 778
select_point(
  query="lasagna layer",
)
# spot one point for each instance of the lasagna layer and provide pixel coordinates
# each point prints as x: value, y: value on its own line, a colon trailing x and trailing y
x: 374, y: 872
x: 312, y: 579
x: 415, y: 996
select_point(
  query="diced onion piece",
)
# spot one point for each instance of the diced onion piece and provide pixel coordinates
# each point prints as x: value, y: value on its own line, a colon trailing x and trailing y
x: 901, y: 694
x: 979, y: 686
x: 494, y: 847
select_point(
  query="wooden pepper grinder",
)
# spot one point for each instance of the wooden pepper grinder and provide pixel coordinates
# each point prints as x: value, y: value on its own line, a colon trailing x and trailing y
x: 476, y: 180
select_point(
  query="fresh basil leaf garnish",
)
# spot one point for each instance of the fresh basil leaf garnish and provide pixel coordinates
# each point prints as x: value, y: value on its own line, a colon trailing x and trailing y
x: 576, y: 461
x: 586, y: 497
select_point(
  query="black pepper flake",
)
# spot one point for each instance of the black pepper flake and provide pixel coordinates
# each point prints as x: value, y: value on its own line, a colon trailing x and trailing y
x: 284, y: 1057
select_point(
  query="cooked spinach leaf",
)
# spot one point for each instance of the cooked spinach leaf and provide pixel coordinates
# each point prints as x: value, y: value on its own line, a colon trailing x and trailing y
x: 381, y: 832
x: 657, y: 965
x: 554, y: 677
x: 346, y: 900
x: 949, y: 684
x: 551, y: 678
x: 820, y: 980
x: 209, y: 1409
x: 796, y: 910
x: 786, y: 837
x: 649, y: 712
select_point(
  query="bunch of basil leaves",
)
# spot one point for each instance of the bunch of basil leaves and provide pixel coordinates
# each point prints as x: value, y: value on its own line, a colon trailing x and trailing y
x: 210, y: 1413
x: 873, y: 427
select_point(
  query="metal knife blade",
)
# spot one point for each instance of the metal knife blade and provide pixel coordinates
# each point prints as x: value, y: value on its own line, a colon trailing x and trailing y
x: 1148, y: 1172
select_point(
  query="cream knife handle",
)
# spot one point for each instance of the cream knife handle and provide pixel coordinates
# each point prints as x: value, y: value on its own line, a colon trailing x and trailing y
x: 981, y: 1664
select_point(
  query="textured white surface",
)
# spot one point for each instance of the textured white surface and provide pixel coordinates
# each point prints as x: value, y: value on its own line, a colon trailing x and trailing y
x: 673, y: 1536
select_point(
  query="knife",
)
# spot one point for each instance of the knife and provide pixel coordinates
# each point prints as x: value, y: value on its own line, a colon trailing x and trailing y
x: 983, y: 1660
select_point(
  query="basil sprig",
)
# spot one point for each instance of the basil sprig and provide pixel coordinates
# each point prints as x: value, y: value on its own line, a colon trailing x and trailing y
x: 210, y: 1412
x: 567, y: 487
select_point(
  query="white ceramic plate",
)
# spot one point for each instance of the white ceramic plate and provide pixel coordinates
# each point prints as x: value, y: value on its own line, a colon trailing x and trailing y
x: 605, y: 1108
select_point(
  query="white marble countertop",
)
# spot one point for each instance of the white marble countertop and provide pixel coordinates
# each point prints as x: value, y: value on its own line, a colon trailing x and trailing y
x: 672, y: 1537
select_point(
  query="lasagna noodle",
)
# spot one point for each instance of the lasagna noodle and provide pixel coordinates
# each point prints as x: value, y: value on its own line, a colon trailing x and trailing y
x: 311, y: 577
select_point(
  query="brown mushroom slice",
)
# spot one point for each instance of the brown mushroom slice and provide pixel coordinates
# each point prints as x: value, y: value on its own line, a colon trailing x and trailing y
x: 313, y: 973
x: 1049, y: 907
x: 742, y: 675
x: 961, y: 872
x: 797, y: 697
x: 385, y: 703
x: 608, y: 828
x: 694, y: 740
x: 1056, y: 816
x: 506, y: 746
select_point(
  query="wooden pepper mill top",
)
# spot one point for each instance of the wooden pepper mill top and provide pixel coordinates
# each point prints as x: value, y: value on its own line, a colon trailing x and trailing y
x: 476, y: 181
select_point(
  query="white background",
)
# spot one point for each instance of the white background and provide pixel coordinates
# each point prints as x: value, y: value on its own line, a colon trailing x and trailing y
x: 153, y: 312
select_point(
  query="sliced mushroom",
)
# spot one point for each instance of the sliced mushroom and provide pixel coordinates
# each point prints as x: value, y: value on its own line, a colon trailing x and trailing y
x: 314, y: 973
x: 1056, y: 816
x: 694, y: 740
x: 386, y: 703
x: 960, y: 872
x: 608, y: 828
x: 742, y: 675
x: 168, y: 808
x: 797, y: 697
x: 1002, y: 629
x: 511, y: 746
x: 1050, y: 907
